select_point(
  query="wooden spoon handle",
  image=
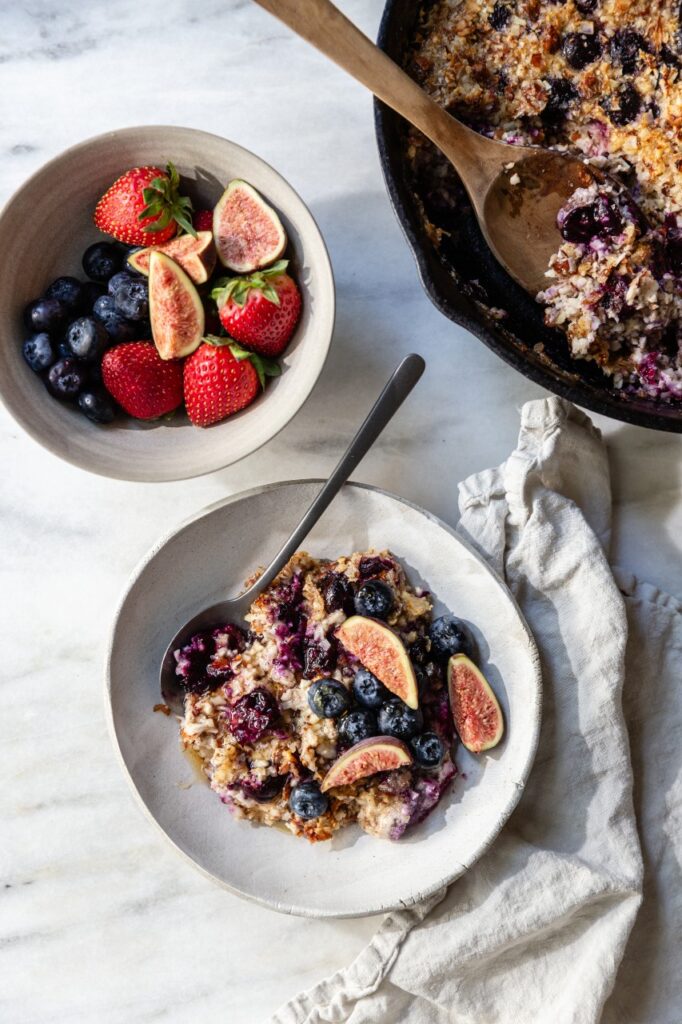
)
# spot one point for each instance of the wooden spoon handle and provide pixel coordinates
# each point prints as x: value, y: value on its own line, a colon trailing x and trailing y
x: 323, y: 25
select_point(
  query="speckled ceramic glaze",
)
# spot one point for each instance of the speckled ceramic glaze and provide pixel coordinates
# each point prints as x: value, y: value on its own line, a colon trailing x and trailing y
x: 44, y: 229
x: 353, y: 874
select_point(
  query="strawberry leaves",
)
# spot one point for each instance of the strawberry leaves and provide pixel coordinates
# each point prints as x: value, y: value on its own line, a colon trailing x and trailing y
x: 238, y: 288
x: 164, y: 203
x: 263, y: 367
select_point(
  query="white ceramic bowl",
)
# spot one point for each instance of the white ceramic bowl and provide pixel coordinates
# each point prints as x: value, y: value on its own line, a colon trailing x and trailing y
x: 354, y: 874
x: 44, y: 229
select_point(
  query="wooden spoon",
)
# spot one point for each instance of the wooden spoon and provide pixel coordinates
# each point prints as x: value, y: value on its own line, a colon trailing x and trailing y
x: 516, y: 191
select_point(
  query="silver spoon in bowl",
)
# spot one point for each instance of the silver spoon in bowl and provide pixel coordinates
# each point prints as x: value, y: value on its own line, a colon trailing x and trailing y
x: 234, y: 609
x: 516, y: 191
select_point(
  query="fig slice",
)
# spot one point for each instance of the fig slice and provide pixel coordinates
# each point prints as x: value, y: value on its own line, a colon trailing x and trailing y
x: 377, y: 754
x: 475, y: 709
x: 196, y: 256
x: 378, y: 649
x: 248, y: 233
x: 175, y: 309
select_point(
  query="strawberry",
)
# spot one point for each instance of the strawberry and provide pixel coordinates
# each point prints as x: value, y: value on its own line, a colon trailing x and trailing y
x: 220, y: 378
x: 203, y: 220
x: 143, y: 206
x: 261, y: 310
x: 143, y: 383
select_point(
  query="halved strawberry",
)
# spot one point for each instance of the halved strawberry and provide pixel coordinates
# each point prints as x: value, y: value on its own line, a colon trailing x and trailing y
x: 144, y: 207
x: 221, y: 378
x: 261, y: 310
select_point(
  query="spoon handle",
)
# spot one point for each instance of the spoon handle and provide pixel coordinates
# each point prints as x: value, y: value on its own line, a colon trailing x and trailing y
x: 323, y: 25
x: 398, y: 387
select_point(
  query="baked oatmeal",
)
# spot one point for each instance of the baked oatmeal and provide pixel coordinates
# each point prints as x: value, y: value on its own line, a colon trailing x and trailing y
x: 601, y: 79
x: 291, y: 723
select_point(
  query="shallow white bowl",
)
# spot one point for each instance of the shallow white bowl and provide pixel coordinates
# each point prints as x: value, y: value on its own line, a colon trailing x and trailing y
x: 44, y: 229
x: 354, y: 874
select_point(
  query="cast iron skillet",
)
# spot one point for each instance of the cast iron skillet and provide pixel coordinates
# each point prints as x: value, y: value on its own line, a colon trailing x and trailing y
x: 466, y: 257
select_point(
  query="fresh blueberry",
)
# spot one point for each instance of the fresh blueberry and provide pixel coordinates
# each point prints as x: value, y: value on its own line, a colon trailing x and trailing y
x: 581, y: 49
x: 118, y: 280
x: 628, y: 105
x: 66, y: 379
x: 307, y: 801
x: 396, y: 719
x: 116, y: 326
x: 499, y: 16
x: 337, y: 593
x: 450, y: 636
x: 428, y: 749
x: 91, y: 291
x: 132, y: 299
x: 46, y: 315
x: 374, y: 599
x: 420, y: 650
x: 328, y: 698
x: 38, y: 352
x: 87, y: 339
x: 101, y: 261
x: 356, y: 725
x: 68, y: 290
x: 625, y: 47
x: 64, y: 350
x: 97, y: 406
x: 369, y: 691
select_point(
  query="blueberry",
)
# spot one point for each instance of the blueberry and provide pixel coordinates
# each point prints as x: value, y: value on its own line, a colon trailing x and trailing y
x: 420, y: 650
x: 65, y: 379
x: 356, y: 725
x: 319, y: 657
x: 307, y: 801
x: 629, y: 104
x: 499, y: 16
x: 64, y: 350
x: 669, y: 57
x: 450, y: 636
x: 266, y: 790
x: 369, y: 691
x: 328, y: 698
x: 562, y: 92
x: 337, y: 593
x: 46, y: 315
x: 374, y: 599
x: 97, y: 406
x: 396, y: 719
x: 252, y: 715
x: 600, y: 219
x: 586, y: 6
x: 87, y: 339
x: 91, y: 291
x: 132, y: 300
x: 118, y: 280
x: 68, y: 290
x: 116, y: 326
x: 581, y: 49
x: 625, y: 48
x: 101, y: 261
x: 38, y: 352
x: 428, y: 749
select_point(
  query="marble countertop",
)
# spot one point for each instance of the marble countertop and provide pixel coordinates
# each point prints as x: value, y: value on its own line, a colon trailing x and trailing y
x: 100, y: 921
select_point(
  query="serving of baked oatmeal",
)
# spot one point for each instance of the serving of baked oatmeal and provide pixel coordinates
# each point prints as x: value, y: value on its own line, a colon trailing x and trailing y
x: 601, y: 79
x: 339, y: 705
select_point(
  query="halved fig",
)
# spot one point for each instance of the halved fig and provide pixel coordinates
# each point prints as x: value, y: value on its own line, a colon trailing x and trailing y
x: 379, y: 649
x: 475, y: 709
x: 377, y: 754
x: 248, y: 233
x: 175, y: 309
x: 196, y: 256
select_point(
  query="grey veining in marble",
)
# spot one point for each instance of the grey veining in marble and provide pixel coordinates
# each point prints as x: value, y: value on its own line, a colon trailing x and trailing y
x: 98, y: 920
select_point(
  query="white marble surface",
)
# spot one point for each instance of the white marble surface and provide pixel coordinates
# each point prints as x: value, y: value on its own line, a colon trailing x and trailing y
x: 98, y: 920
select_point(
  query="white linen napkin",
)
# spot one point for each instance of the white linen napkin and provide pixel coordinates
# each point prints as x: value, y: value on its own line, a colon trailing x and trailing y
x: 541, y: 928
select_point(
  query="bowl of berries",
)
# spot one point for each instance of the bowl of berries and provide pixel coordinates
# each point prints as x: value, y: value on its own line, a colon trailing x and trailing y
x: 166, y: 307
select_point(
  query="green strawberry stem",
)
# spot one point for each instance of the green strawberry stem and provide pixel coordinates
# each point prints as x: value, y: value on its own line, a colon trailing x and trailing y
x: 238, y: 288
x: 164, y: 202
x: 263, y: 367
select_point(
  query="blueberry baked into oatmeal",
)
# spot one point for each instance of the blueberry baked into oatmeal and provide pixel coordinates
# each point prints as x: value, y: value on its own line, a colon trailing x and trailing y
x: 341, y: 704
x: 601, y: 79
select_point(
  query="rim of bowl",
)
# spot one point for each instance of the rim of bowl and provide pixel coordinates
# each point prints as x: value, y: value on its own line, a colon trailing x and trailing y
x: 293, y: 908
x: 324, y: 268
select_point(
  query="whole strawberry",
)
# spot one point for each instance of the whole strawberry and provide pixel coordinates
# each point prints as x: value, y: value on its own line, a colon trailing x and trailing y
x: 221, y: 378
x: 203, y: 220
x: 142, y: 383
x: 261, y: 310
x: 144, y: 207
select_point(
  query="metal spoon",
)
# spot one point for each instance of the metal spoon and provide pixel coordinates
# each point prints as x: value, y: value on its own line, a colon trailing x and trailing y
x: 516, y: 191
x: 234, y: 610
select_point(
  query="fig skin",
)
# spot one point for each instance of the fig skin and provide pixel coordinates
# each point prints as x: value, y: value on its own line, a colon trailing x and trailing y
x: 175, y: 309
x: 475, y: 709
x: 381, y: 651
x: 196, y: 256
x: 376, y: 754
x: 248, y: 233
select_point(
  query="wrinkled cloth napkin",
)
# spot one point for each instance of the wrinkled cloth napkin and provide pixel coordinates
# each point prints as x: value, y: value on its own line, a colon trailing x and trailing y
x: 574, y: 914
